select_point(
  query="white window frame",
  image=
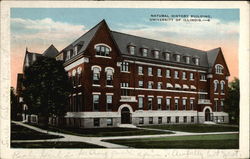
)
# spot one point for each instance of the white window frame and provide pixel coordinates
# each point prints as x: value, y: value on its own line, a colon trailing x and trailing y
x: 159, y: 72
x: 140, y: 70
x: 150, y: 71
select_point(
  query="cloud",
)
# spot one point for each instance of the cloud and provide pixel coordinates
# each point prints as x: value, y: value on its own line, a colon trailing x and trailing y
x: 35, y: 32
x: 167, y: 30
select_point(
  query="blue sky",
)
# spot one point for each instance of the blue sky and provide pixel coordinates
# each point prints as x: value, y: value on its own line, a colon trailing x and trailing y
x: 90, y: 16
x: 38, y: 28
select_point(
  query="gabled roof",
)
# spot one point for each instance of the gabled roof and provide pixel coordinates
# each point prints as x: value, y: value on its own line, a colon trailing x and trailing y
x: 212, y: 55
x: 123, y: 40
x: 50, y: 51
x: 85, y: 39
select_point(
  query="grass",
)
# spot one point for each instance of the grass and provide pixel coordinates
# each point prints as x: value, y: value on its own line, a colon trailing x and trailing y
x: 54, y: 145
x: 104, y: 132
x: 222, y: 141
x: 199, y: 128
x: 22, y: 133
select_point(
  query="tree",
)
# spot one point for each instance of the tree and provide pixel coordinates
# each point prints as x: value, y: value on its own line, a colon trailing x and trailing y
x: 232, y: 101
x: 14, y: 104
x: 47, y: 88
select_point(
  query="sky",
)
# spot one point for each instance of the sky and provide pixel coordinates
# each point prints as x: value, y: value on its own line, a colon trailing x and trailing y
x: 38, y: 28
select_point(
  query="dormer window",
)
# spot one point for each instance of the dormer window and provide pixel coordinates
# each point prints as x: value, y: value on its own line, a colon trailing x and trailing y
x: 75, y: 50
x: 219, y: 69
x: 197, y: 61
x: 102, y: 50
x: 156, y: 54
x: 187, y: 59
x: 68, y: 55
x: 178, y: 58
x: 131, y: 50
x: 167, y: 56
x: 144, y: 52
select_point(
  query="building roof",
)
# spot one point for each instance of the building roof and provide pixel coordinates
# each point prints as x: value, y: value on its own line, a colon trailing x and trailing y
x: 51, y: 51
x: 123, y: 40
x: 85, y: 39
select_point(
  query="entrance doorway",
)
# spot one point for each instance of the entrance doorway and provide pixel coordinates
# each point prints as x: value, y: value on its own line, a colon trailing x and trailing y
x: 125, y: 116
x: 207, y: 115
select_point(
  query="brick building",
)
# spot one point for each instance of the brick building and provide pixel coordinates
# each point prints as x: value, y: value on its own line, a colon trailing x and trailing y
x: 126, y: 79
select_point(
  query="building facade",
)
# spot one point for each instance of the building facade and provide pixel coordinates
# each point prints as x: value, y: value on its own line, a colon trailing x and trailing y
x: 126, y: 79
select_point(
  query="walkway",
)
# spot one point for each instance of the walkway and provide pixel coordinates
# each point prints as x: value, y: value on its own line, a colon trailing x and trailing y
x: 98, y: 140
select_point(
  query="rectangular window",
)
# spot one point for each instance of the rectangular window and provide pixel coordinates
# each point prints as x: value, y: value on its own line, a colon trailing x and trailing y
x: 150, y: 85
x: 178, y: 58
x: 159, y: 120
x: 159, y: 85
x: 191, y: 104
x: 184, y: 75
x: 184, y: 104
x: 222, y: 103
x: 140, y: 102
x: 176, y: 119
x: 141, y: 120
x: 124, y: 67
x: 124, y: 91
x: 168, y: 119
x: 95, y: 102
x: 159, y: 101
x: 168, y: 103
x: 150, y: 121
x: 150, y: 103
x: 176, y: 103
x: 168, y: 74
x: 145, y: 52
x: 167, y: 56
x: 159, y: 72
x: 192, y: 119
x: 140, y: 70
x: 75, y: 50
x: 203, y: 77
x: 156, y: 54
x: 191, y: 76
x: 109, y: 121
x: 68, y: 55
x: 188, y: 60
x: 132, y: 50
x: 140, y: 84
x: 197, y: 61
x: 109, y: 102
x: 176, y: 74
x: 150, y: 71
x: 185, y: 119
x: 96, y: 121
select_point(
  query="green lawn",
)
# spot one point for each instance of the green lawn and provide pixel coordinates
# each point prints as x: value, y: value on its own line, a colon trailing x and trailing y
x: 54, y: 145
x: 222, y: 141
x: 199, y: 128
x: 22, y: 133
x: 101, y: 132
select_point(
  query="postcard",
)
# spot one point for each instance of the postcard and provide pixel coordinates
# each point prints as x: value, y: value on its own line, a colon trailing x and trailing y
x: 124, y: 79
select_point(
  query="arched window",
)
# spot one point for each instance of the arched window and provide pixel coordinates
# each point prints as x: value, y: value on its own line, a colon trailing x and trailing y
x: 96, y: 74
x: 222, y: 86
x: 109, y: 75
x: 102, y: 50
x: 216, y: 84
x: 219, y: 69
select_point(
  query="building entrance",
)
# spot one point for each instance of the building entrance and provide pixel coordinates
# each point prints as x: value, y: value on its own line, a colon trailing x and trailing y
x: 125, y: 116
